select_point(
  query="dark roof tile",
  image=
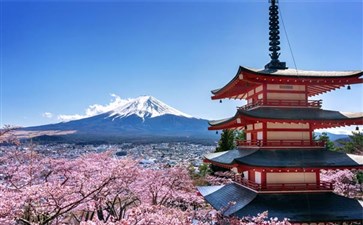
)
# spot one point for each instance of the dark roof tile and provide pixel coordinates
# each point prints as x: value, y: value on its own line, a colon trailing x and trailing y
x: 298, y: 207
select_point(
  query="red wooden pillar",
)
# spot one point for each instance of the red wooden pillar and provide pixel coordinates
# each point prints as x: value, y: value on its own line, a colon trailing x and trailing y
x: 264, y: 132
x: 317, y: 175
x: 311, y: 135
x: 263, y: 179
x: 264, y: 91
x: 251, y: 175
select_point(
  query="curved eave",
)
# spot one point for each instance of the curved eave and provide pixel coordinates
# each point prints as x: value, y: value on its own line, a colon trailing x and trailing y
x: 227, y: 158
x: 287, y: 158
x: 318, y: 81
x: 292, y: 73
x: 308, y: 159
x: 223, y: 123
x: 318, y: 118
x: 236, y: 88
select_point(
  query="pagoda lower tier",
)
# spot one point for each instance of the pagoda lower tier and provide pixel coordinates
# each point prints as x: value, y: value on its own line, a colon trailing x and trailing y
x: 302, y: 207
x: 285, y: 182
x: 273, y: 170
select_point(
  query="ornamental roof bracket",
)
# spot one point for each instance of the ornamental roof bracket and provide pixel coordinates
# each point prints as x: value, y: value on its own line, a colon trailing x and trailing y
x: 274, y: 64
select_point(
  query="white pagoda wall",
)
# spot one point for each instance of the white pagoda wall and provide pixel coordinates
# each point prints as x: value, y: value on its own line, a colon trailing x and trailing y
x: 285, y: 96
x: 289, y: 131
x: 290, y: 178
x: 288, y: 135
x: 287, y: 125
x: 278, y: 91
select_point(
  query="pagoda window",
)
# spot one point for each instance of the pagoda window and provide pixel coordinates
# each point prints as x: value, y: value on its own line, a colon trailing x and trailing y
x: 259, y: 135
x: 292, y: 177
x: 259, y: 88
x: 245, y: 175
x: 250, y: 93
x: 258, y: 126
x: 258, y: 177
x: 248, y: 136
x: 249, y: 127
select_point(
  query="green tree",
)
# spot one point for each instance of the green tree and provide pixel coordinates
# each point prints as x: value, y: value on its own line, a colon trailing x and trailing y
x: 354, y: 145
x: 240, y: 135
x: 227, y: 141
x: 204, y: 170
x: 360, y: 177
x: 328, y: 143
x: 199, y: 177
x: 315, y: 137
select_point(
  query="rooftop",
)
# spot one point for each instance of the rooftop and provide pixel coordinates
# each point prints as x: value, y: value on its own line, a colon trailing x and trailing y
x: 317, y: 81
x: 298, y: 207
x: 287, y: 158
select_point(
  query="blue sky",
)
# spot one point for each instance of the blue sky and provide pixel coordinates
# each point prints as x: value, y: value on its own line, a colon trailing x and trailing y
x: 60, y: 57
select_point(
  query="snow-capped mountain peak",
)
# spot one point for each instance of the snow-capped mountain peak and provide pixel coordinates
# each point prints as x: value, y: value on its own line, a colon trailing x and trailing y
x: 145, y: 106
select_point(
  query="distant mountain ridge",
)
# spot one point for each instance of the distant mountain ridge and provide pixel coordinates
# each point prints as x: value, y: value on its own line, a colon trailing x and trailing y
x: 333, y: 137
x: 144, y: 117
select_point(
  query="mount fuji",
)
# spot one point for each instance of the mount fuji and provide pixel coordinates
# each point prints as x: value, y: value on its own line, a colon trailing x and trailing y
x: 142, y: 119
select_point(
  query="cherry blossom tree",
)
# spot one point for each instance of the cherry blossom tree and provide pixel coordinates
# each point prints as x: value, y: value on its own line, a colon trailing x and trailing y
x: 220, y: 178
x: 49, y: 189
x: 7, y: 135
x: 100, y: 189
x: 169, y: 187
x: 345, y: 182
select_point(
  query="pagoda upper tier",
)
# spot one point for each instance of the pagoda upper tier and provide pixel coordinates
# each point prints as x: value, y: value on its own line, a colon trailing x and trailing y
x: 311, y: 82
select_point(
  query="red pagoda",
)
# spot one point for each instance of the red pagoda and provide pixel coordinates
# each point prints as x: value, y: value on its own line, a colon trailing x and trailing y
x: 278, y: 165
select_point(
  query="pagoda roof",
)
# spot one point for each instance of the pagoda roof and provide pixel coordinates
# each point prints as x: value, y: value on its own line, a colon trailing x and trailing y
x: 303, y: 73
x: 321, y: 118
x: 298, y: 207
x: 318, y: 81
x: 286, y: 158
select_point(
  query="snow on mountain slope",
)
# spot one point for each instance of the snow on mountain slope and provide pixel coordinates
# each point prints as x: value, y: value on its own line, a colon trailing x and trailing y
x: 145, y: 107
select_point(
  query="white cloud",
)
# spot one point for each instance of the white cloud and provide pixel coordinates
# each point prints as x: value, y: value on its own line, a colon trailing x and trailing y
x: 96, y: 109
x: 66, y: 118
x: 47, y: 115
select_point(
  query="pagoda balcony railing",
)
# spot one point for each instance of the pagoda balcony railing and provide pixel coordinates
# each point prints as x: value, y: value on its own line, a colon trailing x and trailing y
x: 283, y: 186
x: 279, y: 143
x: 284, y: 103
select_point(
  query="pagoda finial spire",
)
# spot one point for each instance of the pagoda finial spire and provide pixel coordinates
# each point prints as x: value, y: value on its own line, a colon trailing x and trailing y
x: 274, y: 38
